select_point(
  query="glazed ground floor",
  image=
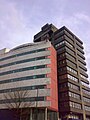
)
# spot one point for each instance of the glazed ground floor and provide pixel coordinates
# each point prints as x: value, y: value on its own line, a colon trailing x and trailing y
x: 30, y: 114
x: 39, y: 114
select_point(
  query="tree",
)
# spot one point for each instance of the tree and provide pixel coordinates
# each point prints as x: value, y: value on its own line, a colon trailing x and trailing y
x: 16, y: 101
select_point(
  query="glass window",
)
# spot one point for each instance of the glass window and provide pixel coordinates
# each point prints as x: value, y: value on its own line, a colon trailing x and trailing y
x: 73, y: 78
x: 71, y: 63
x: 83, y: 76
x: 69, y: 44
x: 86, y: 99
x: 74, y: 95
x: 87, y: 108
x: 23, y: 61
x: 86, y: 91
x: 75, y: 105
x: 23, y: 78
x: 72, y: 70
x: 59, y: 44
x: 21, y: 54
x: 23, y: 88
x: 73, y: 86
x: 85, y: 84
x: 22, y: 69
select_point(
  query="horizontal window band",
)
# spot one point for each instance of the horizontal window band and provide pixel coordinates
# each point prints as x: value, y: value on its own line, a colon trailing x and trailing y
x: 21, y: 54
x: 23, y: 88
x: 21, y: 100
x: 23, y: 61
x: 23, y: 69
x: 23, y: 78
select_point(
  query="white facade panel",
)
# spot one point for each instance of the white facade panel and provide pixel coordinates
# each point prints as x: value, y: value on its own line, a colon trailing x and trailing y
x: 44, y: 104
x: 43, y: 92
x: 27, y: 64
x: 24, y: 57
x: 25, y: 73
x: 25, y: 83
x: 29, y: 93
x: 29, y: 104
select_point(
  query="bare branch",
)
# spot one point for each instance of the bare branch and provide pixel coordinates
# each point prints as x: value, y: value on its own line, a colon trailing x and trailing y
x: 16, y: 100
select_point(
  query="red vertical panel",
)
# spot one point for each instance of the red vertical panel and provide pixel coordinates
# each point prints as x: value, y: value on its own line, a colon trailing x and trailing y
x: 53, y: 75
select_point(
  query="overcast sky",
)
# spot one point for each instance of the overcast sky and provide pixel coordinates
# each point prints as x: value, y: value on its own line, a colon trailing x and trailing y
x: 20, y: 20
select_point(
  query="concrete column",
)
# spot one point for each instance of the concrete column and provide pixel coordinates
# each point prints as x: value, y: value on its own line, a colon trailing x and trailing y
x: 31, y: 114
x: 45, y: 113
x: 84, y: 116
x: 58, y: 116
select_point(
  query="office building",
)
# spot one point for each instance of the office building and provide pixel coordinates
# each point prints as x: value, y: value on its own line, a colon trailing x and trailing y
x: 73, y: 84
x: 30, y: 67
